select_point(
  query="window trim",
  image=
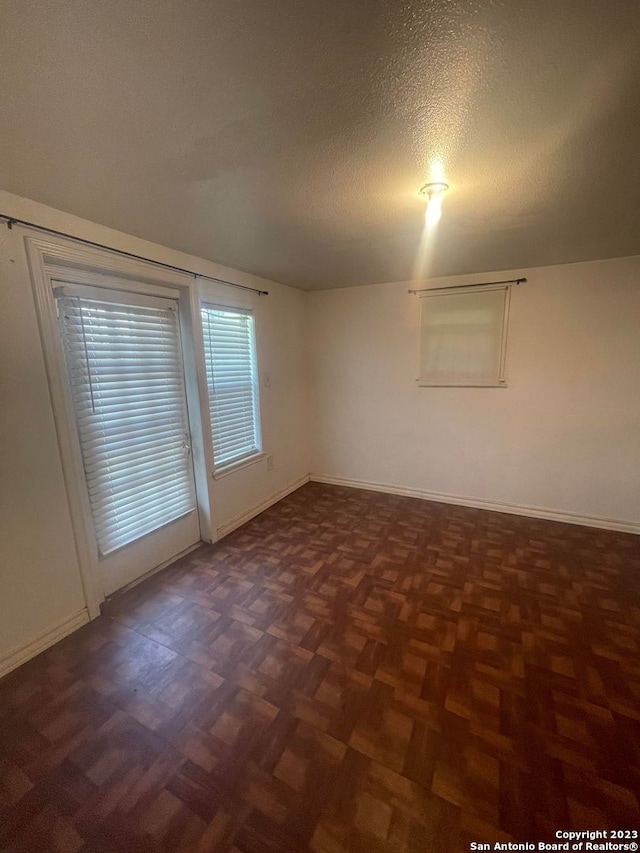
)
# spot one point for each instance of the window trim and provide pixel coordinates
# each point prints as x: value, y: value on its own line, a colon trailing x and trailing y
x: 224, y: 469
x: 237, y: 464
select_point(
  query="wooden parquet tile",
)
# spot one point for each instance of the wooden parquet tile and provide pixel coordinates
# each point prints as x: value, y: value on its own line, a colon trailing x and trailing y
x: 348, y: 672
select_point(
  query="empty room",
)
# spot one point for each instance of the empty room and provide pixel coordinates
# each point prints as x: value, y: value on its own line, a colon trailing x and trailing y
x: 320, y: 406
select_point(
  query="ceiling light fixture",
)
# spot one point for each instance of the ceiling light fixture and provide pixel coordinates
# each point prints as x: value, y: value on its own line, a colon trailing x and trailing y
x: 434, y: 192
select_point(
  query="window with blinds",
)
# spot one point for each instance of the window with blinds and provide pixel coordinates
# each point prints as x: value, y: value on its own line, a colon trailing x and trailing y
x: 232, y: 383
x: 125, y: 373
x: 463, y: 337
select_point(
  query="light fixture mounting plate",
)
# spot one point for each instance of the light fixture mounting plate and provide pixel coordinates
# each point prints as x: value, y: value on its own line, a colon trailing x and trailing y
x: 434, y: 188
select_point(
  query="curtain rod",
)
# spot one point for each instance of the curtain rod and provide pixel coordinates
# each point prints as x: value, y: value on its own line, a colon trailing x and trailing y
x: 11, y: 221
x: 464, y: 286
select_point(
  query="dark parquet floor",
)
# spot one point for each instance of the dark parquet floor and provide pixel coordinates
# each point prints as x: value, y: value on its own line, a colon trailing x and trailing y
x: 350, y: 671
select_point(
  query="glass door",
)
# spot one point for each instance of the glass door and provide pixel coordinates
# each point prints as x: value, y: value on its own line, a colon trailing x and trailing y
x: 125, y: 370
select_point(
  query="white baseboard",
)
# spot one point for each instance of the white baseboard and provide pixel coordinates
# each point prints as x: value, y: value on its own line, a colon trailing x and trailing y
x: 479, y: 503
x: 21, y: 654
x: 232, y: 525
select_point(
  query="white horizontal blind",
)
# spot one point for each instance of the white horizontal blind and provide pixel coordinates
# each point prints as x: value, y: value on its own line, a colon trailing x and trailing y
x: 232, y: 383
x: 462, y: 338
x: 125, y: 371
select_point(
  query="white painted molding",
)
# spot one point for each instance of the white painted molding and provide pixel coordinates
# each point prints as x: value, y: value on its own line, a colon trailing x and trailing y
x: 232, y: 525
x: 40, y: 643
x: 60, y: 251
x: 479, y: 503
x: 72, y: 469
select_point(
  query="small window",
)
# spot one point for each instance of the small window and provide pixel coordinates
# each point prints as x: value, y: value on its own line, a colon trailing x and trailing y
x: 232, y: 384
x: 463, y: 337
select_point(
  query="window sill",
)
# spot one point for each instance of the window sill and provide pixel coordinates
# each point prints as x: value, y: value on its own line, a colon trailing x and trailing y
x: 225, y: 470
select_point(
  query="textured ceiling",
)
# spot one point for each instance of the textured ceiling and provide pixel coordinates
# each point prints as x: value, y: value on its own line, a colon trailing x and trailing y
x: 288, y: 138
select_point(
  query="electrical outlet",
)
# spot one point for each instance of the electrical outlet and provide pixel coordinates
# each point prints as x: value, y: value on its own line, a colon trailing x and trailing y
x: 270, y: 463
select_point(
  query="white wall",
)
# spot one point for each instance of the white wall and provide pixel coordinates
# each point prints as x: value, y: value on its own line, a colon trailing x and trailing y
x: 40, y: 586
x: 564, y: 436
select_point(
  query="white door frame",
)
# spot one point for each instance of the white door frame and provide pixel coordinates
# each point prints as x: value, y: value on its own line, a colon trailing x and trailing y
x: 56, y: 258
